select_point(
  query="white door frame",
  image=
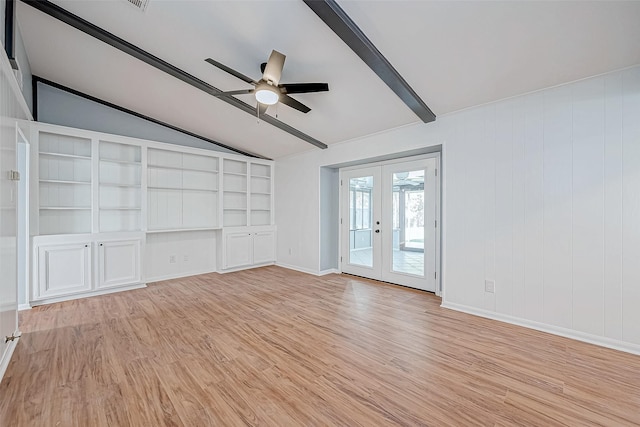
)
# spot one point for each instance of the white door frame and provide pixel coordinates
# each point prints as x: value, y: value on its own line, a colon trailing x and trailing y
x: 438, y: 211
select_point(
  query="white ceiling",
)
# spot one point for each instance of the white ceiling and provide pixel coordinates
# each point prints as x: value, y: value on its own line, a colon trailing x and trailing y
x: 454, y: 55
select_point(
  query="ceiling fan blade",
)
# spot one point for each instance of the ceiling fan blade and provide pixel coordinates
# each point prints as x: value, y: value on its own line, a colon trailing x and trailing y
x: 230, y: 71
x: 273, y: 69
x: 287, y: 100
x: 304, y: 87
x: 261, y: 108
x: 235, y: 92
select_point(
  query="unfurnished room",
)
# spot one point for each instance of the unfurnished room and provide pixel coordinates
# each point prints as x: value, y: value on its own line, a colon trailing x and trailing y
x: 319, y: 213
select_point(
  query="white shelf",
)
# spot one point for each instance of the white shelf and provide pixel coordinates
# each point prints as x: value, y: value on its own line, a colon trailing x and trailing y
x: 260, y: 210
x: 181, y: 189
x: 63, y: 208
x: 235, y: 173
x: 235, y: 191
x: 70, y: 156
x: 177, y: 230
x: 59, y: 181
x: 261, y: 176
x: 262, y: 193
x: 236, y: 209
x: 113, y: 184
x: 182, y: 169
x: 121, y: 162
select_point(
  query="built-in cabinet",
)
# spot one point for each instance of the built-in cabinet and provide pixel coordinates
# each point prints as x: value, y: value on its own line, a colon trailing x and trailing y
x: 99, y: 196
x: 247, y: 246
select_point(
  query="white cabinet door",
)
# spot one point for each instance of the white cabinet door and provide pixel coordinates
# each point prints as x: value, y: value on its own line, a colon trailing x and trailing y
x: 238, y: 248
x: 63, y: 269
x: 263, y: 247
x: 118, y: 263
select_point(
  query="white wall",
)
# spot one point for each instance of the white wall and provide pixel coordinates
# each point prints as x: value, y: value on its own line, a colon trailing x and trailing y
x: 194, y: 252
x: 329, y: 218
x: 542, y: 195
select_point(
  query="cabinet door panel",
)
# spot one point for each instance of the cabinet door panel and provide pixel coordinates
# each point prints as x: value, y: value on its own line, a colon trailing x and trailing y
x: 63, y: 269
x: 263, y: 247
x: 237, y: 250
x: 119, y: 263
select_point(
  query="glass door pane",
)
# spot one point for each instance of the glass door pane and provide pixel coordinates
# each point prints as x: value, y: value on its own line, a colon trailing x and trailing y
x: 408, y: 222
x: 360, y: 219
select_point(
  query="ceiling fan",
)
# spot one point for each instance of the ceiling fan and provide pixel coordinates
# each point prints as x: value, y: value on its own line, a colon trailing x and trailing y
x: 268, y: 90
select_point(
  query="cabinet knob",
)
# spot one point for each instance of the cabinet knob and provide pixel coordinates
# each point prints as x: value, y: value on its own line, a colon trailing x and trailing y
x: 100, y: 244
x: 86, y: 246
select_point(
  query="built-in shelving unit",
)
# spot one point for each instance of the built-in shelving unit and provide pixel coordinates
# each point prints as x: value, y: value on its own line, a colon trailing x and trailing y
x: 64, y: 184
x: 260, y: 195
x: 234, y: 200
x: 113, y: 212
x: 120, y: 170
x: 182, y: 191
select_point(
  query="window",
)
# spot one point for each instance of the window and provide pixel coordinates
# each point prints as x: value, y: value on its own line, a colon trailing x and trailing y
x: 360, y: 204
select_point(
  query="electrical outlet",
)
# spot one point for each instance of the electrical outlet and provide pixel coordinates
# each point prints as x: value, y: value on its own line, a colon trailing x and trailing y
x: 172, y: 259
x: 490, y: 286
x: 186, y: 258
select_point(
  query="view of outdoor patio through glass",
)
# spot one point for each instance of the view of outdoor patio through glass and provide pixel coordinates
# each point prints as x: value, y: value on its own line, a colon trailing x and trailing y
x: 408, y: 222
x: 360, y: 217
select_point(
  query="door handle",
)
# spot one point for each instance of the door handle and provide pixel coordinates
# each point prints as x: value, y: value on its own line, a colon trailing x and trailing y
x: 377, y: 231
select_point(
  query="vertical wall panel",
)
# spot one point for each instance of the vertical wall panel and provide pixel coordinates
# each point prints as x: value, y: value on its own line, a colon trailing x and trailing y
x: 519, y: 208
x: 631, y: 206
x: 588, y: 206
x: 613, y: 207
x: 475, y: 211
x: 504, y: 182
x: 455, y: 182
x: 557, y: 207
x: 490, y: 204
x: 533, y: 223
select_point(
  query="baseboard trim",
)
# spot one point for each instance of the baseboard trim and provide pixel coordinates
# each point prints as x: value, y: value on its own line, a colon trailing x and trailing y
x: 4, y: 364
x: 300, y: 269
x: 245, y: 267
x: 45, y: 301
x: 22, y: 307
x: 328, y: 271
x: 178, y: 276
x: 543, y: 327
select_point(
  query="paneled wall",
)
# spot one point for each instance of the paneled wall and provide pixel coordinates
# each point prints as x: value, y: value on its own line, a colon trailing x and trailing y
x: 543, y: 196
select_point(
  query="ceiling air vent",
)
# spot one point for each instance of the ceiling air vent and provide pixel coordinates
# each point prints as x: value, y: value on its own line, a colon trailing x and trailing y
x: 139, y: 4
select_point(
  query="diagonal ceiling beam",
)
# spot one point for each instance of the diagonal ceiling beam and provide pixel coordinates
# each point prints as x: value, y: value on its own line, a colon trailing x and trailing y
x: 338, y: 20
x: 87, y: 27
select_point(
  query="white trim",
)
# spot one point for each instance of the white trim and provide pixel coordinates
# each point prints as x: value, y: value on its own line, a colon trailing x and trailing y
x: 245, y: 267
x: 556, y: 330
x: 22, y: 307
x: 300, y: 269
x: 13, y: 82
x: 4, y: 363
x: 87, y: 294
x: 328, y: 271
x: 178, y: 276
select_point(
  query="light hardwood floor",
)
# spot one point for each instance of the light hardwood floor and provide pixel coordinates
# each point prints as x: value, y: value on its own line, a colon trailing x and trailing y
x: 280, y: 348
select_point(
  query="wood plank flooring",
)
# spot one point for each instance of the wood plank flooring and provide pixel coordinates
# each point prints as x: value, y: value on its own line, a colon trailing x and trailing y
x: 274, y: 347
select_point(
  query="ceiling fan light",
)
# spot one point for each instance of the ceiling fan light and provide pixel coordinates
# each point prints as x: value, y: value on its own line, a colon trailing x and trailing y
x: 266, y: 94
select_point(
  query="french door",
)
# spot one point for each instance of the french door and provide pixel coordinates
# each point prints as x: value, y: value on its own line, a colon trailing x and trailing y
x: 389, y: 228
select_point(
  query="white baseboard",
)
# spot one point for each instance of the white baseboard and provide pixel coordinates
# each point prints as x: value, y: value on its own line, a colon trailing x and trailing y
x: 556, y: 330
x: 300, y: 269
x: 245, y: 267
x: 178, y: 275
x: 328, y: 271
x: 24, y: 307
x: 87, y: 294
x: 4, y: 363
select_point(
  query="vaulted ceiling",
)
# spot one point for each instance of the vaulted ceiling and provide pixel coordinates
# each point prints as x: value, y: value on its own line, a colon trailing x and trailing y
x: 454, y: 54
